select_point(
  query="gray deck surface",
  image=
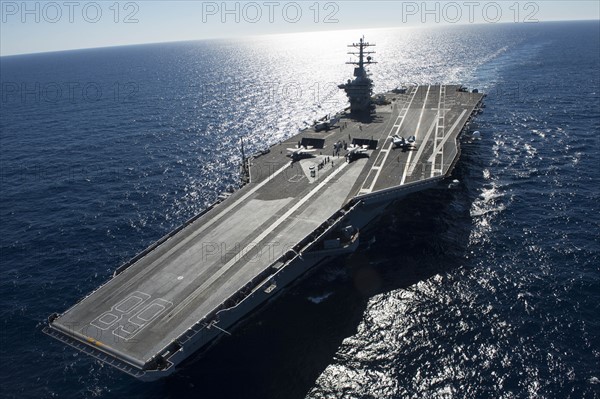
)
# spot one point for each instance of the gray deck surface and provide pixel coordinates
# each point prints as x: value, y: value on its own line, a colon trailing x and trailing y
x: 190, y: 274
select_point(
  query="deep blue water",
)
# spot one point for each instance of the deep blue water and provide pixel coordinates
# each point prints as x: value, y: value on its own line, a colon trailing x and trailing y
x: 488, y: 290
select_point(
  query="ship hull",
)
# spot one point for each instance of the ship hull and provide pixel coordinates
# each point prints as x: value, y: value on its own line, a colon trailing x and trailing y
x: 291, y: 216
x: 294, y: 273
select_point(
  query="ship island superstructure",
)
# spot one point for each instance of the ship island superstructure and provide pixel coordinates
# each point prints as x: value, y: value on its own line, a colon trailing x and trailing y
x: 360, y: 90
x: 303, y: 203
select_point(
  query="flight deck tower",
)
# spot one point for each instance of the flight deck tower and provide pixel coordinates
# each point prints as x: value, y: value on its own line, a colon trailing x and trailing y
x: 360, y: 90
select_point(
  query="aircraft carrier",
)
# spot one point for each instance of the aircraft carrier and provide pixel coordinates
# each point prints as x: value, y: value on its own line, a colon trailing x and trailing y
x: 302, y: 203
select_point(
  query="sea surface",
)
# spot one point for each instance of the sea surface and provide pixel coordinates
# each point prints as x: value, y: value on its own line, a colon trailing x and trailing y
x: 487, y: 290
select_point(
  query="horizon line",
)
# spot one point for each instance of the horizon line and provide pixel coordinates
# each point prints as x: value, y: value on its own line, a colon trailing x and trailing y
x: 285, y: 33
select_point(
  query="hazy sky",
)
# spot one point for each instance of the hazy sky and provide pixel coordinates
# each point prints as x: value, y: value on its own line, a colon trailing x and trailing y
x: 38, y: 26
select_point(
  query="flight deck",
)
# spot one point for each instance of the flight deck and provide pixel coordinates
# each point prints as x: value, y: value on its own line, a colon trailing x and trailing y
x: 303, y: 203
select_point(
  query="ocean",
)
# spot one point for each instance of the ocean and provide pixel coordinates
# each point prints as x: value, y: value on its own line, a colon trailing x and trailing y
x: 487, y: 290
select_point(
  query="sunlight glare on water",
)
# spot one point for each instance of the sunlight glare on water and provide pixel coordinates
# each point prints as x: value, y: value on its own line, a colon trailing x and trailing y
x: 490, y: 289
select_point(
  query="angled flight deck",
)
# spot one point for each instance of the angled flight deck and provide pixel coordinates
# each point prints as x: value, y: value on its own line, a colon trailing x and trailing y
x: 292, y: 214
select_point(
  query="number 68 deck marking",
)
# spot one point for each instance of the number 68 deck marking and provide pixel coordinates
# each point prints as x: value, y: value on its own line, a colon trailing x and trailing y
x: 137, y: 313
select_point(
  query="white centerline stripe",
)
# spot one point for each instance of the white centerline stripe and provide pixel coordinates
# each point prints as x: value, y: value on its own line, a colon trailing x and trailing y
x: 222, y: 213
x: 387, y: 150
x: 441, y: 145
x: 416, y: 132
x: 264, y: 234
x: 421, y: 148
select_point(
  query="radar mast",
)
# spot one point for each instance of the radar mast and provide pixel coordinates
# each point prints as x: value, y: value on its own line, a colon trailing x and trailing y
x: 360, y: 90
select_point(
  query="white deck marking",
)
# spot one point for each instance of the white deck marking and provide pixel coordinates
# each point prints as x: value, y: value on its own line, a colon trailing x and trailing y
x: 387, y: 150
x: 212, y: 221
x: 441, y: 146
x: 440, y: 112
x: 258, y: 239
x: 421, y: 148
x: 245, y: 196
x: 416, y: 133
x: 440, y: 132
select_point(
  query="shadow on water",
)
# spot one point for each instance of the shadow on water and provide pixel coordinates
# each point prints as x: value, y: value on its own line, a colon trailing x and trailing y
x: 281, y: 351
